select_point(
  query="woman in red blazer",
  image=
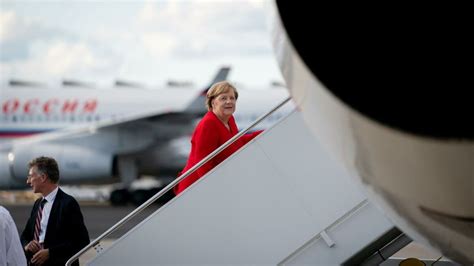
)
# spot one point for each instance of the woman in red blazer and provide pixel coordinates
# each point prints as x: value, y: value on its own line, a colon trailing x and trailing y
x: 215, y: 128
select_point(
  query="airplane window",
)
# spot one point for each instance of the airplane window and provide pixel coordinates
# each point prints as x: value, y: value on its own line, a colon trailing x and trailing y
x: 97, y: 118
x: 89, y: 118
x: 14, y: 118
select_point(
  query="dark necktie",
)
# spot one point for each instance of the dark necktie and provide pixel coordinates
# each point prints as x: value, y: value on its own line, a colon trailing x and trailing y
x: 38, y: 220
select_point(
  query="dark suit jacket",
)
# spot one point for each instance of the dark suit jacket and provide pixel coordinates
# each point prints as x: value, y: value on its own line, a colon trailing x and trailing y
x: 66, y: 233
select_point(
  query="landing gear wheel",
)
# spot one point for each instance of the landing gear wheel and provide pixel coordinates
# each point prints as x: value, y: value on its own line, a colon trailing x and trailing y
x: 119, y: 197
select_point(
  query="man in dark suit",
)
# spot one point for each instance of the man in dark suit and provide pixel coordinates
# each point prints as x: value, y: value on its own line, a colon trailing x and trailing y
x: 55, y: 230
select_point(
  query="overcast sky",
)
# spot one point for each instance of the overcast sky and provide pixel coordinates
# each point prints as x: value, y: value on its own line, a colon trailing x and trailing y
x: 143, y: 41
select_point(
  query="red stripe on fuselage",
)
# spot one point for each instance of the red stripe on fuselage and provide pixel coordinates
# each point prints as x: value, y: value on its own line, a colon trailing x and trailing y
x: 16, y: 135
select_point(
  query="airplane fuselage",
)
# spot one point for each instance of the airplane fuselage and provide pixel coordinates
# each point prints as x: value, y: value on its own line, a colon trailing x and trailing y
x: 142, y: 144
x: 28, y: 111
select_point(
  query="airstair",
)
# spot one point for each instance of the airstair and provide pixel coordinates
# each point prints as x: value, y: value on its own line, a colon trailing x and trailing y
x: 280, y: 200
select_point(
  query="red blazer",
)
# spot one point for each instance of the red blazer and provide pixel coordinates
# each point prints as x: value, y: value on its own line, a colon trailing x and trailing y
x: 208, y: 135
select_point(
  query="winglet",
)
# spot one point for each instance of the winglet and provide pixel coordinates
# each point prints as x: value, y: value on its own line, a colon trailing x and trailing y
x: 197, y: 106
x: 221, y: 75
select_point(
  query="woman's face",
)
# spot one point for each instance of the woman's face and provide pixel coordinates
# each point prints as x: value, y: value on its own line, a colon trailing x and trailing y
x: 224, y: 104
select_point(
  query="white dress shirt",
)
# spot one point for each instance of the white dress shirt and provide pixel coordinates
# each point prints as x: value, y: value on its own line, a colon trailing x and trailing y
x: 11, y: 250
x: 46, y: 212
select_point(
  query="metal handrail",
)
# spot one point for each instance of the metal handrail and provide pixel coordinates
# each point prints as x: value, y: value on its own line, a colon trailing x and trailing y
x: 173, y: 184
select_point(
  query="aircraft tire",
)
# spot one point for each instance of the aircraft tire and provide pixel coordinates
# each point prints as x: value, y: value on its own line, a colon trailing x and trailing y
x: 139, y: 196
x: 119, y: 197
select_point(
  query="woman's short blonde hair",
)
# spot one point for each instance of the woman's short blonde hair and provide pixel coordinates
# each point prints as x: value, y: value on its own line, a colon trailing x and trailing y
x: 217, y: 89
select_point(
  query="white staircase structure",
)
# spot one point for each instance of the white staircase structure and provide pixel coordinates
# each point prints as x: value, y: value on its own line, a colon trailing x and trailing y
x: 281, y: 200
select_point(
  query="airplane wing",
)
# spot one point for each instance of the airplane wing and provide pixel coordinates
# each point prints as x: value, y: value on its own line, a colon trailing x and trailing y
x: 90, y: 153
x: 158, y: 124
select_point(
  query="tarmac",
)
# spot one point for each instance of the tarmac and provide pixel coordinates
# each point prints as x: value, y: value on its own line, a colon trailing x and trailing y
x: 98, y: 218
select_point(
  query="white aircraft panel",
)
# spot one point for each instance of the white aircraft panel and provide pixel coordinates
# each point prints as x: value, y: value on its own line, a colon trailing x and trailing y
x: 260, y: 206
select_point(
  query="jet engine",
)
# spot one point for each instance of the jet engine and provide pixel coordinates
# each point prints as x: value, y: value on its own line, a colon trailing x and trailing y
x: 386, y: 91
x: 76, y: 164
